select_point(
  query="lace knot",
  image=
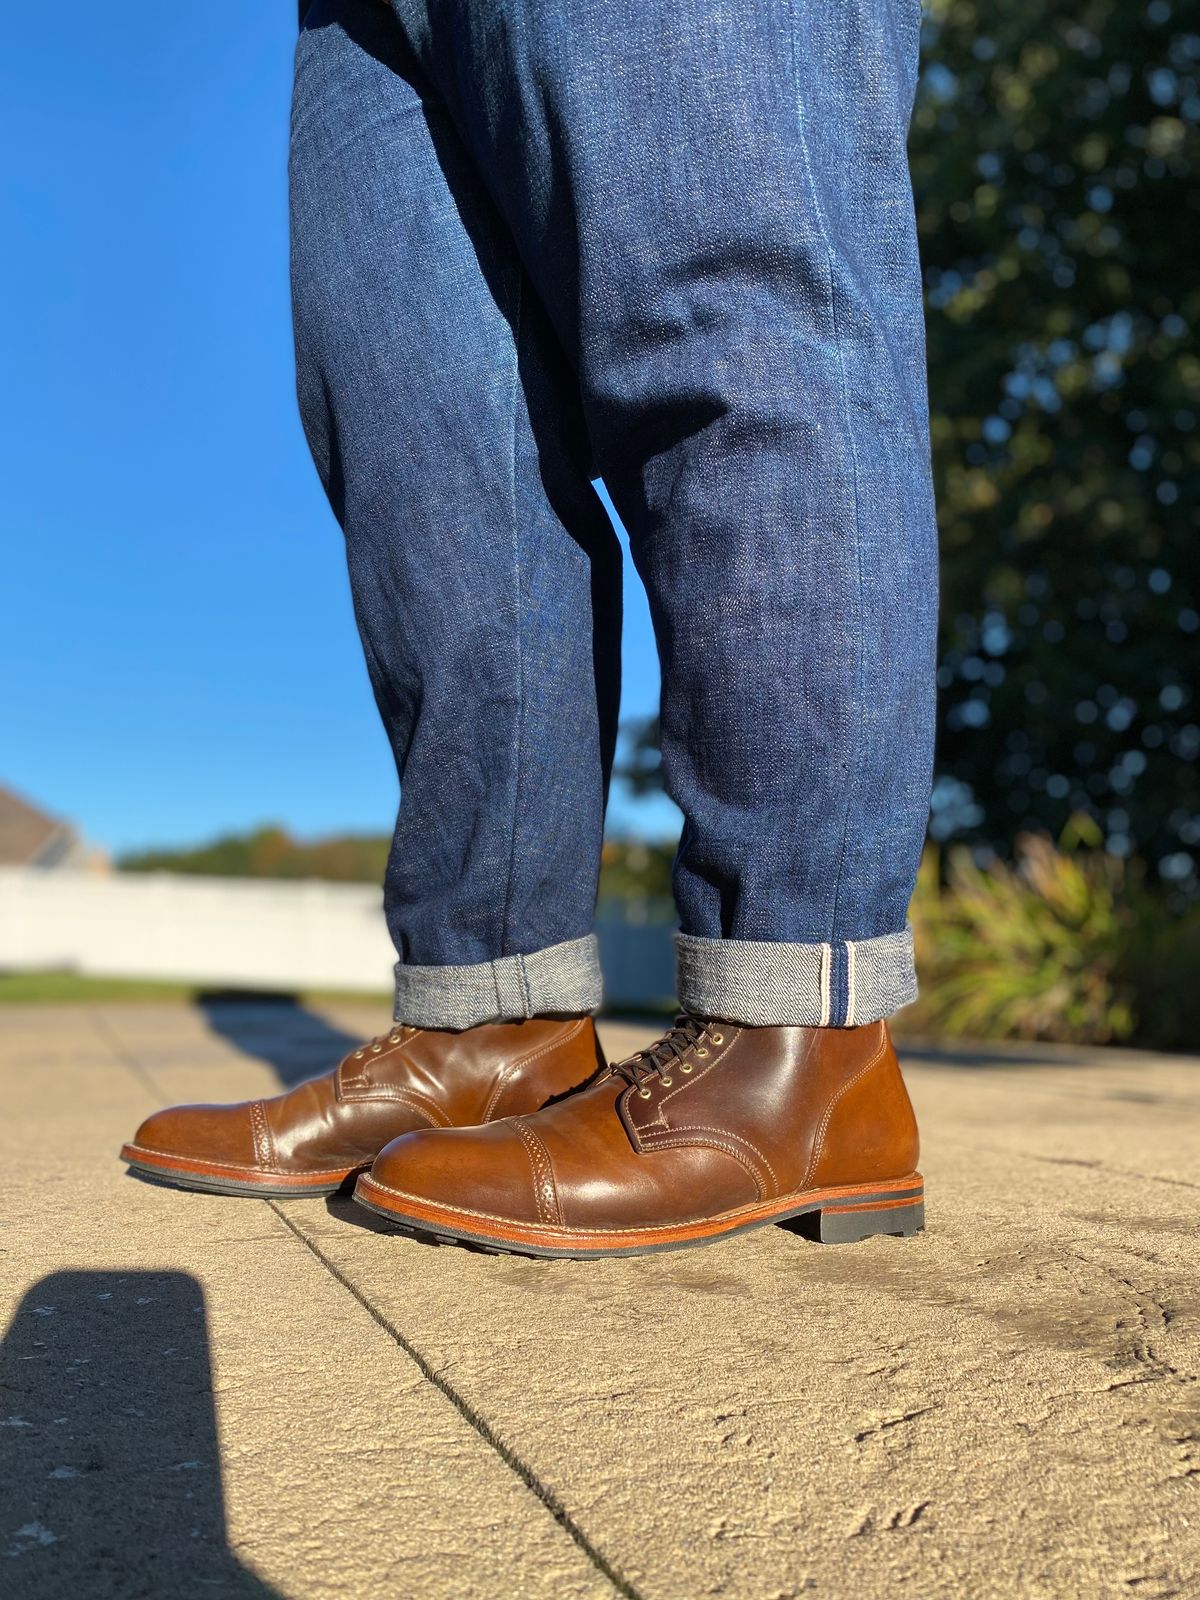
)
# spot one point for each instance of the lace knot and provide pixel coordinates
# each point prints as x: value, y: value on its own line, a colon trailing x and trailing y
x: 684, y: 1033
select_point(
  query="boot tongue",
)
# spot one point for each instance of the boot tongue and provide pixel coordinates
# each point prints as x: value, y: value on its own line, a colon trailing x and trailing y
x: 679, y: 1038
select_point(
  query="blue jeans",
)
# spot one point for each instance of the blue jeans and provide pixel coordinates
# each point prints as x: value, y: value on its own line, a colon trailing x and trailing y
x: 669, y: 243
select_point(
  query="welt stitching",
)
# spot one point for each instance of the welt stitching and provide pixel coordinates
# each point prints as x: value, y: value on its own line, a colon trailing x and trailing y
x: 414, y: 1100
x: 819, y: 1140
x: 527, y: 1060
x: 718, y: 1143
x: 724, y: 1133
x: 543, y: 1172
x: 498, y: 1089
x: 545, y: 1049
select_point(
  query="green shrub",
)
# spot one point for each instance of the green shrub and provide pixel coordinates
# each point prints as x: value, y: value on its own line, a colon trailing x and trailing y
x: 1066, y: 943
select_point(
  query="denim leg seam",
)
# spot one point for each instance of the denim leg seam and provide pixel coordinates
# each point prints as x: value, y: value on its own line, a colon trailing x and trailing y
x: 495, y: 975
x: 852, y: 781
x: 524, y: 971
x: 516, y: 549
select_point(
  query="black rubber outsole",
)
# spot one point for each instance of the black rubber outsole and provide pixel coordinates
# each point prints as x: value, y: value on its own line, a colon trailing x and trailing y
x: 818, y: 1221
x: 170, y: 1178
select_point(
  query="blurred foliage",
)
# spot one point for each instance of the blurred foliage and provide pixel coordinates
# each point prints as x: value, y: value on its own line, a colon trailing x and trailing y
x: 1029, y: 951
x: 272, y: 852
x: 1056, y: 165
x: 629, y: 868
x: 1057, y: 176
x: 639, y: 757
x: 71, y: 988
x: 1065, y: 943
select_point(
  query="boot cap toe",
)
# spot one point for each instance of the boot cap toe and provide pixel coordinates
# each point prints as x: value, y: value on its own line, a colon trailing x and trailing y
x: 483, y: 1170
x: 220, y: 1134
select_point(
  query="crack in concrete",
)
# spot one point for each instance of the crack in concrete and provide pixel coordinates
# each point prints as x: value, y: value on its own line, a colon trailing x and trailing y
x: 1100, y: 1166
x: 1090, y: 1163
x: 1155, y: 1314
x: 894, y: 1422
x: 474, y: 1418
x: 104, y: 1029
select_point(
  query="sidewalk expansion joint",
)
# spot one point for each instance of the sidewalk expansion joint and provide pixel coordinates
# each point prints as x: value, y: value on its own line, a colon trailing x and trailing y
x: 1093, y: 1163
x: 471, y: 1416
x: 104, y: 1029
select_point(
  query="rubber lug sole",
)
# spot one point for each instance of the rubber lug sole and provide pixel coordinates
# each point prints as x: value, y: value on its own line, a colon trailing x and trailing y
x: 849, y: 1225
x: 204, y: 1183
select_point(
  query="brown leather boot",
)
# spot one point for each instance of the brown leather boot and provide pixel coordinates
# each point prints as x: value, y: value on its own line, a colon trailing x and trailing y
x: 716, y: 1129
x: 317, y: 1135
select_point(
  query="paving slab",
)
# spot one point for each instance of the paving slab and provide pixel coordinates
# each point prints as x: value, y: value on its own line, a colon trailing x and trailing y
x: 192, y: 1403
x: 1008, y: 1405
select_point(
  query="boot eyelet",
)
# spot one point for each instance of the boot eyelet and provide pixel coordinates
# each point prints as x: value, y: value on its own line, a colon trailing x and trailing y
x: 358, y: 1055
x: 644, y: 1093
x: 686, y: 1067
x: 666, y: 1082
x: 393, y: 1038
x: 701, y: 1052
x: 717, y: 1038
x: 375, y: 1049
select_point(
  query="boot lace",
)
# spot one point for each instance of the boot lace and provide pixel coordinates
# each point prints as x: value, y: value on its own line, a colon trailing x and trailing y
x: 666, y: 1054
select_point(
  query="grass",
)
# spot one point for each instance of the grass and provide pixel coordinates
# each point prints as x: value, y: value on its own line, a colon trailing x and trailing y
x: 71, y: 988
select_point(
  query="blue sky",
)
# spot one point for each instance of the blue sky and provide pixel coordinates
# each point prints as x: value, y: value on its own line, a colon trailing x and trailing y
x: 177, y: 652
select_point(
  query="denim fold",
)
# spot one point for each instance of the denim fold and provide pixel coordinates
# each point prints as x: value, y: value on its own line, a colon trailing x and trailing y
x: 562, y: 979
x: 760, y: 983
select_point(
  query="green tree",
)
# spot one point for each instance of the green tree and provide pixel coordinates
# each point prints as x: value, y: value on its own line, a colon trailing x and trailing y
x: 1055, y: 160
x: 271, y: 852
x: 1055, y: 163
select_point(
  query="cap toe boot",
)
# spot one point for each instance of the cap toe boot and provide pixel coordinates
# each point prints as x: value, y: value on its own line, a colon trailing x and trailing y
x: 716, y: 1129
x: 315, y: 1137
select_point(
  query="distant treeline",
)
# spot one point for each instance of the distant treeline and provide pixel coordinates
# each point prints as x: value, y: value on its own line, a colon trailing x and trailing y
x: 629, y: 868
x: 272, y: 852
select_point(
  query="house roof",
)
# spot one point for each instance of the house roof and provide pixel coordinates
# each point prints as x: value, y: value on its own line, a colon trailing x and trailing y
x: 26, y: 834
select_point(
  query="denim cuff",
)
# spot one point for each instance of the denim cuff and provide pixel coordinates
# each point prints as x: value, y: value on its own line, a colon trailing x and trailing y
x: 795, y: 985
x: 563, y: 978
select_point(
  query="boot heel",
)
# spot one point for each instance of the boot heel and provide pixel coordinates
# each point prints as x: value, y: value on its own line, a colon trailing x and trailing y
x: 848, y: 1224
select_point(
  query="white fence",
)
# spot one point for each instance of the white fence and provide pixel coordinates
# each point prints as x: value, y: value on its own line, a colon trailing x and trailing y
x: 254, y: 933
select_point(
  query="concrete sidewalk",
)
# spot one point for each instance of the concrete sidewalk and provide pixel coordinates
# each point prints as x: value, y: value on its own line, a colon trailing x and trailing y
x: 209, y: 1396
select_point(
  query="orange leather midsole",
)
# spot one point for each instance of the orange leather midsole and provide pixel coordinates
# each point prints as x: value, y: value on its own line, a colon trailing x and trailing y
x: 859, y: 1197
x: 137, y: 1155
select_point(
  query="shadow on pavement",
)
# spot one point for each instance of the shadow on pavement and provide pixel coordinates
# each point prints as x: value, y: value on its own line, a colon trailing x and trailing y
x: 966, y: 1053
x: 110, y: 1476
x: 280, y: 1030
x: 344, y: 1208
